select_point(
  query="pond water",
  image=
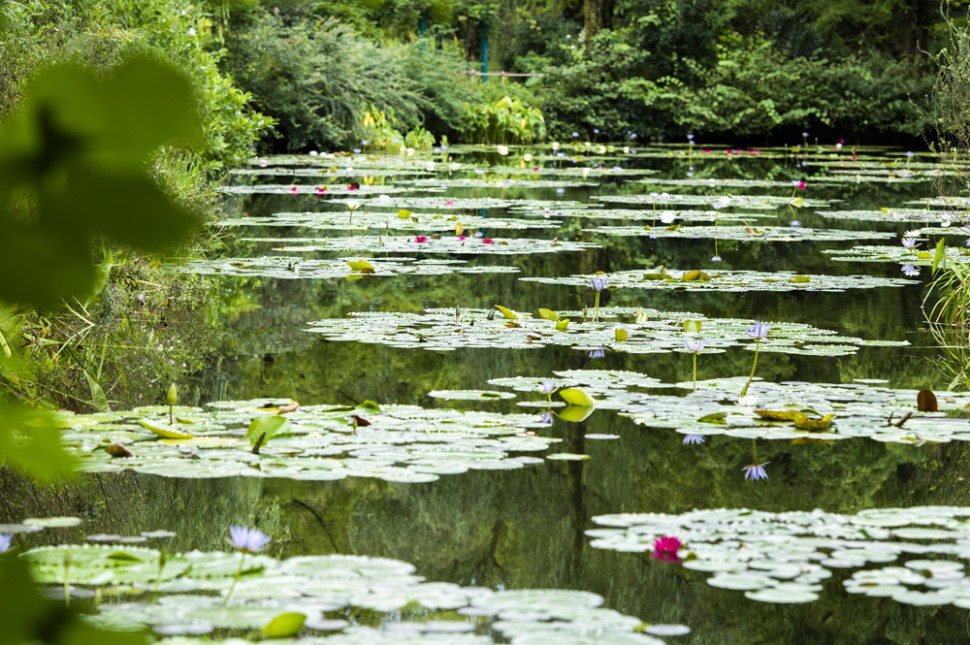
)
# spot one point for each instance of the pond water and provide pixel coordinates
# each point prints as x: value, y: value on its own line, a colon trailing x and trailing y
x: 475, y: 485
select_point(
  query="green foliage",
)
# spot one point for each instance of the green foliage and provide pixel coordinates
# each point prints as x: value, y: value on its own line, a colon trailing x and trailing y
x: 28, y: 617
x: 320, y: 80
x: 76, y: 141
x: 507, y: 120
x: 100, y: 33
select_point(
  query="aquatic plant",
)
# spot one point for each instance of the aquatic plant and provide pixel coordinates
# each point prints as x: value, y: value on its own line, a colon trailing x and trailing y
x: 245, y: 540
x: 665, y: 549
x: 694, y: 346
x: 758, y: 332
x: 5, y: 541
x: 597, y: 284
x: 756, y: 472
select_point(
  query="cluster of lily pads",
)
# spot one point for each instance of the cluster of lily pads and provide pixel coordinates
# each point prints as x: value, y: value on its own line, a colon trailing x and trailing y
x: 192, y: 597
x: 787, y: 557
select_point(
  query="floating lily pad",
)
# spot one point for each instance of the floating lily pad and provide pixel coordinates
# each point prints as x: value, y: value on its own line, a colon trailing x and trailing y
x: 769, y: 202
x: 744, y: 233
x: 894, y: 215
x: 445, y: 244
x: 782, y: 557
x: 736, y: 281
x: 648, y: 331
x: 398, y: 443
x: 422, y: 222
x: 897, y: 254
x: 264, y: 599
x: 291, y: 267
x: 311, y: 189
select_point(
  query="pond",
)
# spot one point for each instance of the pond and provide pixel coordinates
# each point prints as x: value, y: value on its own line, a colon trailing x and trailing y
x: 486, y: 388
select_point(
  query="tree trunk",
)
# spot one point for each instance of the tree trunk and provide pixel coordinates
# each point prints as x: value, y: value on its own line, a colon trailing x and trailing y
x: 597, y: 14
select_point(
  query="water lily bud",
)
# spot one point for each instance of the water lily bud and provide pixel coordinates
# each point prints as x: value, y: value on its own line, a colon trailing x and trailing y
x: 172, y: 396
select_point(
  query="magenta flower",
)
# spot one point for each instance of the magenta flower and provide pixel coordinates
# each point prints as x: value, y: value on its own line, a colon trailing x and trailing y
x: 352, y: 187
x: 801, y: 185
x: 421, y: 238
x: 294, y: 189
x: 665, y: 549
x: 248, y: 540
x: 462, y: 238
x: 488, y: 240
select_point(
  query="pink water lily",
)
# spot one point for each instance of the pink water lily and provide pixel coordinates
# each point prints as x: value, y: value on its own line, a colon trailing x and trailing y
x: 488, y: 240
x: 665, y: 549
x: 421, y: 238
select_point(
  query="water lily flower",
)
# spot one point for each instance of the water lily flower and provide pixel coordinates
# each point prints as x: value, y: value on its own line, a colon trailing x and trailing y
x: 248, y: 540
x: 357, y: 151
x: 314, y: 153
x: 665, y: 549
x: 462, y: 238
x: 555, y: 146
x: 353, y: 205
x: 693, y: 439
x: 967, y: 244
x: 479, y: 171
x: 748, y: 401
x: 488, y: 240
x: 707, y: 151
x: 546, y: 417
x: 547, y: 388
x: 910, y: 154
x: 909, y: 242
x: 364, y: 142
x: 690, y: 138
x: 420, y: 238
x: 479, y: 234
x: 716, y: 258
x: 263, y: 163
x: 575, y: 134
x: 596, y: 130
x: 910, y: 270
x: 597, y: 353
x: 598, y: 284
x: 502, y: 150
x: 694, y: 345
x: 294, y: 189
x: 5, y: 542
x: 756, y: 472
x: 668, y: 217
x: 795, y: 223
x: 560, y: 191
x: 758, y: 331
x: 801, y: 185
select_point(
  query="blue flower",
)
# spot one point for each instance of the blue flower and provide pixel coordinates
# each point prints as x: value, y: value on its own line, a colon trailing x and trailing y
x: 546, y: 417
x: 755, y: 472
x: 597, y: 284
x: 909, y: 243
x: 548, y: 387
x: 805, y: 135
x: 597, y: 353
x: 758, y: 331
x: 248, y: 540
x: 357, y: 150
x: 910, y: 270
x: 690, y: 138
x: 716, y: 258
x: 694, y: 345
x: 910, y: 154
x: 363, y: 142
x: 795, y: 223
x: 560, y: 191
x: 693, y: 440
x: 596, y: 130
x: 575, y: 134
x: 5, y: 541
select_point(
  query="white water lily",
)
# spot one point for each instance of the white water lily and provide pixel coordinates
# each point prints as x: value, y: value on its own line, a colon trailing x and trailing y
x: 502, y: 150
x: 353, y: 205
x: 527, y: 157
x: 748, y: 401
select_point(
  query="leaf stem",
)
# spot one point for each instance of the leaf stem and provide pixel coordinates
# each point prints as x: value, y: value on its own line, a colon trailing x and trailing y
x: 754, y: 366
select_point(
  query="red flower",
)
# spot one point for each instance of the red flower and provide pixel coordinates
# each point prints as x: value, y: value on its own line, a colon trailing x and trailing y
x: 352, y: 187
x: 665, y: 549
x: 801, y: 185
x: 707, y: 151
x: 488, y: 240
x: 294, y: 189
x: 420, y: 238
